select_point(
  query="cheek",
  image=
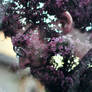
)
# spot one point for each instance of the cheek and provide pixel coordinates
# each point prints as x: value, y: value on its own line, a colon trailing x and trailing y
x: 80, y: 41
x: 23, y: 62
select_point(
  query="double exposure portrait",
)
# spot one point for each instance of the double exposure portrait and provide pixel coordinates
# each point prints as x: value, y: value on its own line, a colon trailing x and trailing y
x: 53, y: 38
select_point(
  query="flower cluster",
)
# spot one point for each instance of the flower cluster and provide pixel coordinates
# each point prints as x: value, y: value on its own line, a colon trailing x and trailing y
x: 34, y: 12
x: 63, y: 51
x: 60, y: 60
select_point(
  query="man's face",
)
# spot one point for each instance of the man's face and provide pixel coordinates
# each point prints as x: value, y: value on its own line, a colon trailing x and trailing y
x: 30, y: 48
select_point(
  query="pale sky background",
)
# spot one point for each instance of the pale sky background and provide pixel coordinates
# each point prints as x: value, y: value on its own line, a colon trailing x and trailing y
x: 6, y: 46
x: 6, y: 50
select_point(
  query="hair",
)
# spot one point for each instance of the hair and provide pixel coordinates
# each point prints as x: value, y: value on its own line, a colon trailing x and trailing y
x: 31, y: 12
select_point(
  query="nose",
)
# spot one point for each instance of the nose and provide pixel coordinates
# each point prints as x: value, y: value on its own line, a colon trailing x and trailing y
x: 24, y: 62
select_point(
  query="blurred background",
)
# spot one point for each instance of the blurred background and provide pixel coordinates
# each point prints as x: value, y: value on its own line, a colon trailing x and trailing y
x: 6, y: 49
x: 9, y: 80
